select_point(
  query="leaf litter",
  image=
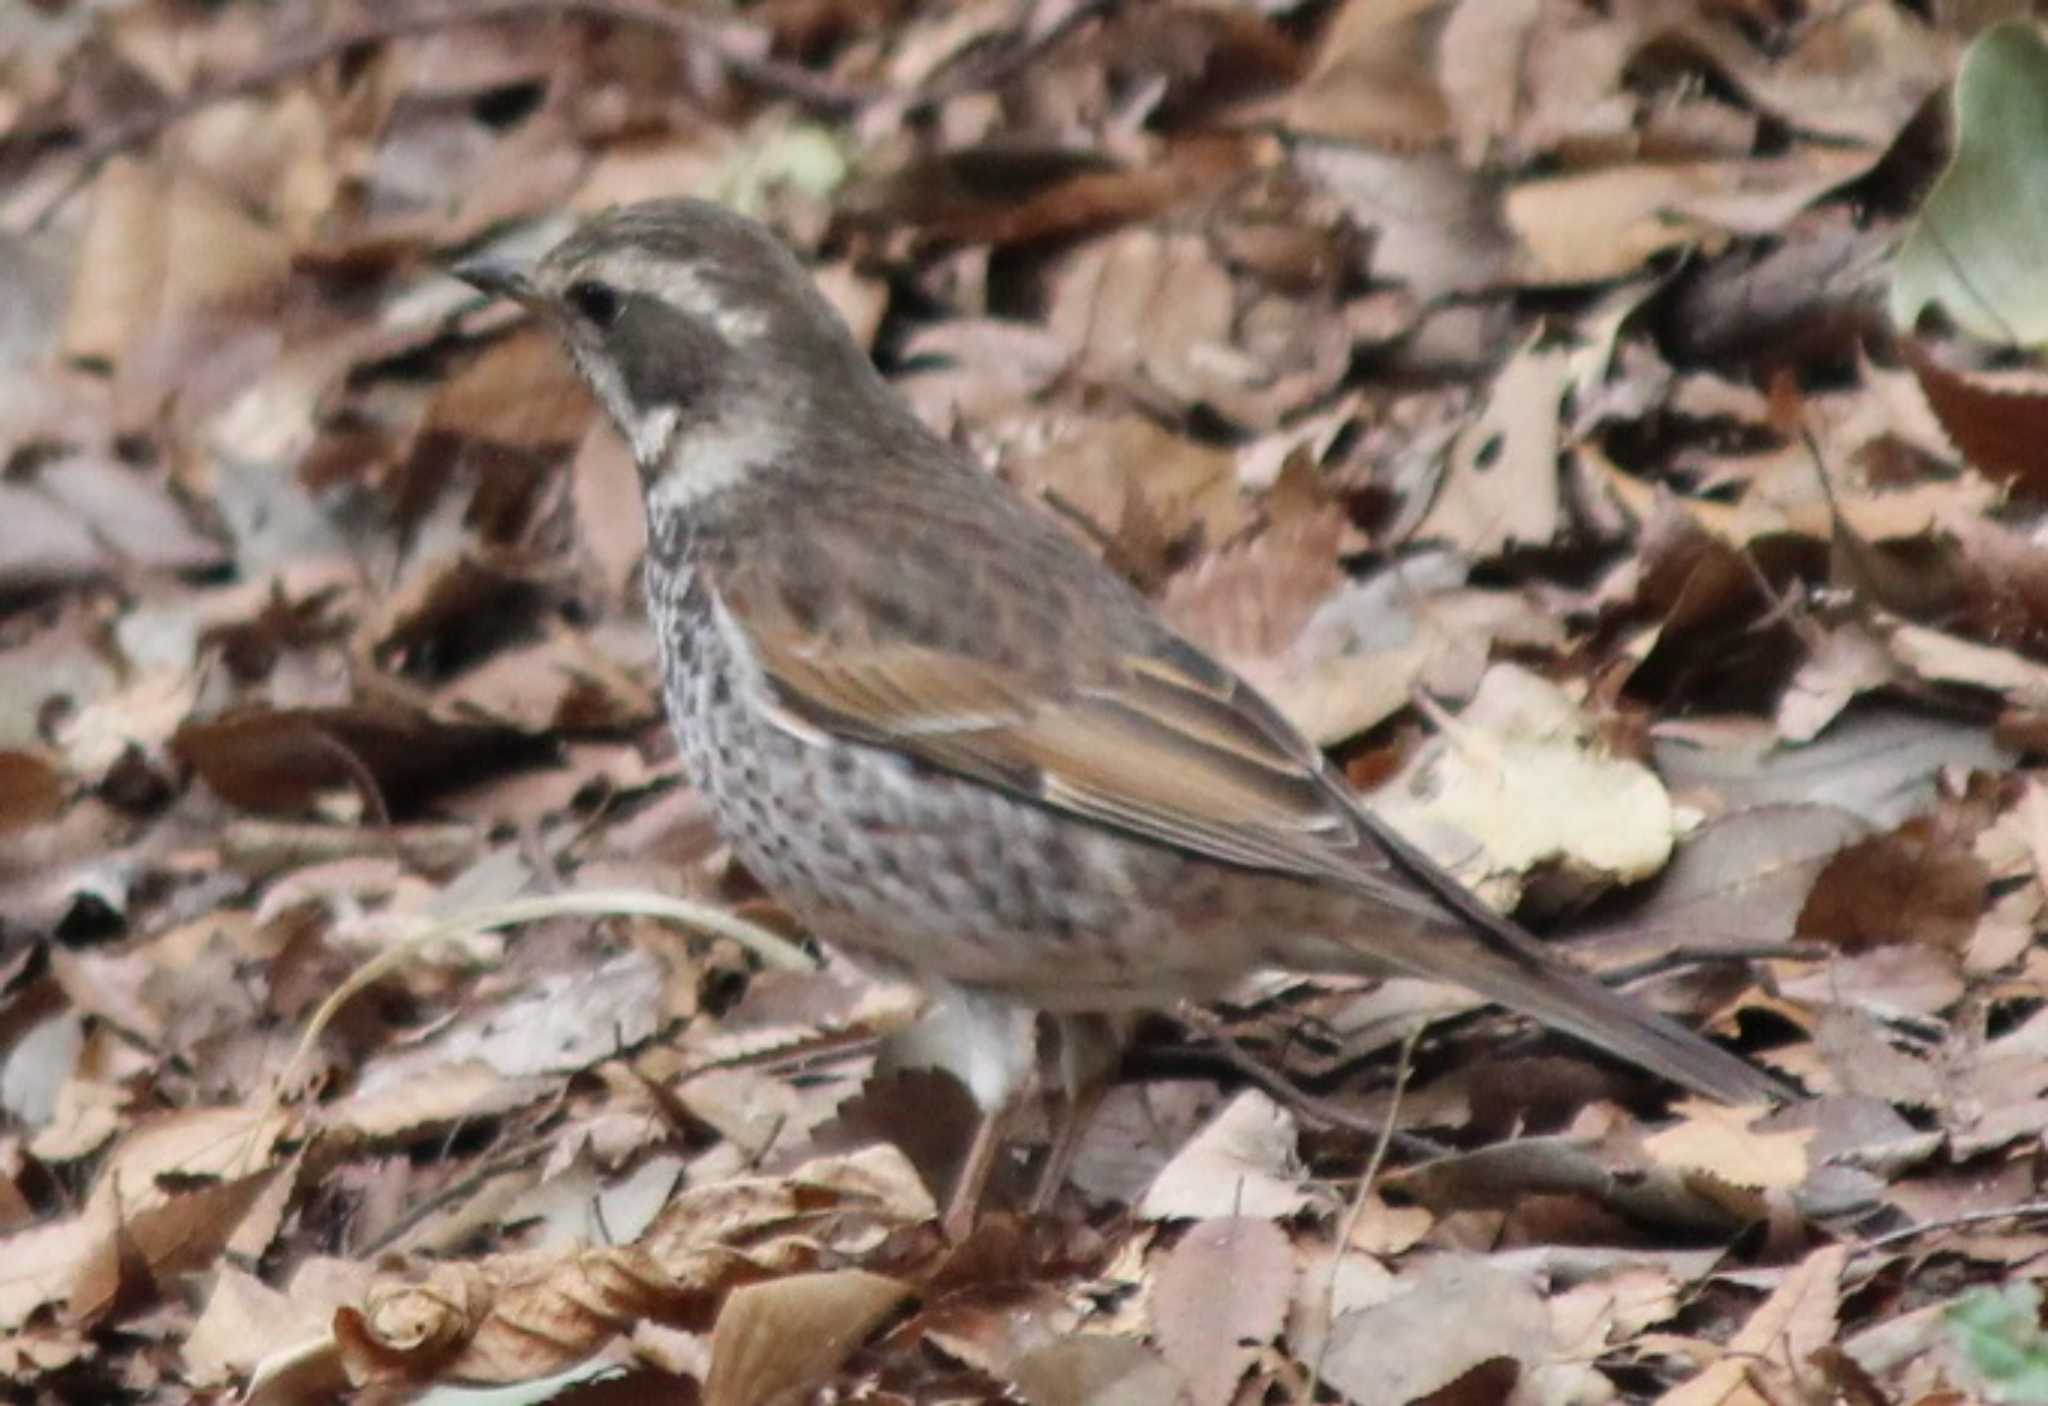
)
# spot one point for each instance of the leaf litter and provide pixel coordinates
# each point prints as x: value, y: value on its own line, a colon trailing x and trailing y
x: 1501, y: 387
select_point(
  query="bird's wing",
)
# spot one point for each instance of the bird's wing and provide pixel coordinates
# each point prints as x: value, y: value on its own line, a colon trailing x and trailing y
x: 1163, y: 744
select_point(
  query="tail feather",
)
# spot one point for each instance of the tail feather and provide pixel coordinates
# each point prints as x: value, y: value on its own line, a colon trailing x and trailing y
x: 1568, y: 1000
x: 1491, y: 955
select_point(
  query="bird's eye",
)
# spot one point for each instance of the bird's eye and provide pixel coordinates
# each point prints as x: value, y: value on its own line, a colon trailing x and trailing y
x: 597, y: 303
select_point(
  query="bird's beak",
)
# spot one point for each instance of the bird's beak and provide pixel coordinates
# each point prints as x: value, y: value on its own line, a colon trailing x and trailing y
x: 501, y: 278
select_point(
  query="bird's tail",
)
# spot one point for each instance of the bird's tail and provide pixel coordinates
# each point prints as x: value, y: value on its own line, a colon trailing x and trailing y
x: 1568, y: 1000
x: 1476, y: 948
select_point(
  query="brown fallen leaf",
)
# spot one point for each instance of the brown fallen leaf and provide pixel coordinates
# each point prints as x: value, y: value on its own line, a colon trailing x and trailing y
x: 458, y: 1090
x: 1740, y: 880
x: 1996, y: 421
x: 1142, y: 494
x: 1000, y: 193
x: 164, y: 244
x: 1501, y: 486
x: 1242, y: 1164
x: 278, y: 760
x: 989, y: 366
x: 1878, y: 764
x: 1725, y: 1143
x: 1092, y: 1369
x: 926, y: 1113
x: 1211, y: 1338
x: 144, y: 1249
x: 1865, y: 1063
x: 1373, y: 81
x: 512, y: 1317
x: 1941, y: 657
x: 1614, y: 1174
x: 1901, y: 982
x: 244, y: 1320
x: 1436, y: 226
x: 1457, y: 1313
x: 1795, y: 1321
x: 1848, y: 662
x: 1590, y: 226
x: 1917, y: 885
x: 31, y: 790
x: 1249, y: 600
x: 774, y: 1342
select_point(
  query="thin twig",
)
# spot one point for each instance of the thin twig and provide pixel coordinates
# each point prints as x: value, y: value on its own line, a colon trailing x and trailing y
x: 1300, y: 1099
x: 804, y: 1055
x: 1955, y: 1222
x: 1356, y: 1209
x: 771, y: 948
x: 371, y: 794
x: 1680, y: 958
x: 407, y: 1220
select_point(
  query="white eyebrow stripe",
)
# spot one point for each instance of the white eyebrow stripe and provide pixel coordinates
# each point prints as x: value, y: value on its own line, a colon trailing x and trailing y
x: 686, y: 286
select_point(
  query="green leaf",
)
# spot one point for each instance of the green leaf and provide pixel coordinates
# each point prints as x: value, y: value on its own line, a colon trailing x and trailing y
x: 1977, y: 247
x: 1997, y: 1333
x: 801, y: 156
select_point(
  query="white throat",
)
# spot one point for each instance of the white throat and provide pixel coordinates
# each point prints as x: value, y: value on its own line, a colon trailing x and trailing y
x: 704, y: 459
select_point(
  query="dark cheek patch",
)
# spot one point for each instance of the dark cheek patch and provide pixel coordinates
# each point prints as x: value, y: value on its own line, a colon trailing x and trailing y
x: 663, y: 357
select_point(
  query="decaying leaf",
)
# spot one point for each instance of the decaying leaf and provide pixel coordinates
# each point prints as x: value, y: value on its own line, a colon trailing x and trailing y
x: 31, y: 790
x: 526, y: 1315
x: 1491, y: 383
x: 1501, y: 484
x: 1741, y: 880
x: 1458, y: 1313
x: 775, y: 1341
x: 1096, y: 1367
x: 1521, y: 781
x: 1210, y: 1338
x: 1242, y: 1164
x: 1723, y: 1142
x: 1790, y: 1325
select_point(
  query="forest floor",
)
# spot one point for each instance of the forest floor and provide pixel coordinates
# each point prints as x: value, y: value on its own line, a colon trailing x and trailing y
x: 1506, y: 388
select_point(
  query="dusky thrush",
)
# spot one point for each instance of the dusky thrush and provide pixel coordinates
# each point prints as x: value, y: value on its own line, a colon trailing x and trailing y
x: 943, y: 734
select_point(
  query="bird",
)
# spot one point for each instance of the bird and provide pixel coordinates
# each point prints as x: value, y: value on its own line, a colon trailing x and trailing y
x: 947, y: 737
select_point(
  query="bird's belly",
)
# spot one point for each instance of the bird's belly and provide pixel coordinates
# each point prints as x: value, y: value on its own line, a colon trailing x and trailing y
x: 937, y: 875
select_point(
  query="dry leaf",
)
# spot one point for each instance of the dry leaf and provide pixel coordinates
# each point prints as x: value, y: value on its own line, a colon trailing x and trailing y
x: 1501, y: 480
x: 1797, y: 1319
x: 1725, y: 1142
x: 774, y: 1342
x: 31, y: 790
x: 1521, y: 781
x: 321, y: 620
x: 1095, y: 1369
x: 1242, y: 1164
x: 1210, y: 1338
x: 1457, y: 1313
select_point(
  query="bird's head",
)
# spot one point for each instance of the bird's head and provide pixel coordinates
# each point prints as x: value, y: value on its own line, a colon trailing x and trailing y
x: 702, y: 337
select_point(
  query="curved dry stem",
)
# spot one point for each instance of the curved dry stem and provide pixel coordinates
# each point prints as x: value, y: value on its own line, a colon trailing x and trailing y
x: 774, y: 951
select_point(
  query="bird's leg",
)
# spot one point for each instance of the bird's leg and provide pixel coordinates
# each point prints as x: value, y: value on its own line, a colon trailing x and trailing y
x: 1090, y: 1047
x: 972, y: 1179
x: 988, y: 1044
x: 1077, y: 1111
